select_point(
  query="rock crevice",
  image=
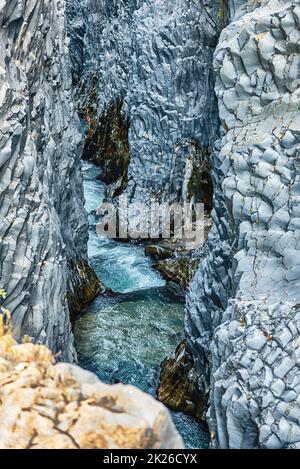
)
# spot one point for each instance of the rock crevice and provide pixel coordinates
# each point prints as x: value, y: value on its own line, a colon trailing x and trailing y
x: 155, y: 58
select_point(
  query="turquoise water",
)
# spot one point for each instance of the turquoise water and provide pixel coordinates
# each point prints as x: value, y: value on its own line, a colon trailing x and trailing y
x: 122, y: 267
x: 124, y: 336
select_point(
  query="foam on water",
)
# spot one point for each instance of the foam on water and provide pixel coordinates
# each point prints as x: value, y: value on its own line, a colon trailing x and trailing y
x: 94, y: 190
x: 122, y: 267
x: 125, y: 336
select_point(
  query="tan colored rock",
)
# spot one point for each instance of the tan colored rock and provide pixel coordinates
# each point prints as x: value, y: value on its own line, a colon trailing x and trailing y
x: 60, y: 406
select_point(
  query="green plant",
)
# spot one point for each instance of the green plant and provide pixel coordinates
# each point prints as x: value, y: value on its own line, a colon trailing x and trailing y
x: 3, y: 294
x: 5, y: 315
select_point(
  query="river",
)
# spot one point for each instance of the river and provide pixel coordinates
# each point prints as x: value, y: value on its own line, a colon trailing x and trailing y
x: 124, y: 336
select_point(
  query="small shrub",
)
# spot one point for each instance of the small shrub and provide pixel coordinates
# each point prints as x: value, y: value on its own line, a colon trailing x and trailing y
x: 5, y: 316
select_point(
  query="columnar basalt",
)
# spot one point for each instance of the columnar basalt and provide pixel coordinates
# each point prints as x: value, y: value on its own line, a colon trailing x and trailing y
x: 43, y: 225
x: 242, y: 319
x: 107, y: 146
x: 156, y: 58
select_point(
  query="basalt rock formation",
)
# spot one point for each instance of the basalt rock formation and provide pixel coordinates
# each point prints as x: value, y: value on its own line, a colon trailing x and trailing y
x: 106, y: 145
x: 242, y: 319
x: 144, y: 79
x: 44, y: 405
x: 43, y: 224
x: 156, y: 59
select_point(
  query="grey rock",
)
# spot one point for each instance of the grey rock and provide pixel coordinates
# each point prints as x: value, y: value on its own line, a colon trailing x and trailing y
x: 156, y: 57
x: 242, y: 319
x: 43, y: 229
x: 255, y: 235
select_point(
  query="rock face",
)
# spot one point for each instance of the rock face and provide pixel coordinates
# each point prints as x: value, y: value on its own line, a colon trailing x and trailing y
x: 48, y: 406
x: 156, y: 58
x: 178, y: 387
x: 107, y: 145
x: 43, y: 225
x: 242, y: 319
x: 180, y: 270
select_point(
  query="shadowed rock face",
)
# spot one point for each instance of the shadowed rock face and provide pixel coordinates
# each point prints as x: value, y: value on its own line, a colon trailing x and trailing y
x: 107, y: 145
x: 156, y: 58
x: 43, y: 226
x: 241, y: 322
x: 178, y: 388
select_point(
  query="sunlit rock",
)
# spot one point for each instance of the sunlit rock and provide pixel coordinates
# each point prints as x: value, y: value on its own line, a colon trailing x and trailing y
x: 242, y: 321
x: 178, y: 388
x: 48, y: 406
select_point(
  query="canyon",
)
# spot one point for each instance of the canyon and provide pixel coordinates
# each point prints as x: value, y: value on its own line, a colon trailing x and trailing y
x: 177, y: 101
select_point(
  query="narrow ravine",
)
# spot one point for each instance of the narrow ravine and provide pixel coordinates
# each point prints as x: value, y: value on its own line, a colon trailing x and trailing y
x: 124, y: 336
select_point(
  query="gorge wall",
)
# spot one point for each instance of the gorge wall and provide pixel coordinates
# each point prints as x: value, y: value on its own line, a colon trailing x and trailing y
x: 148, y: 55
x: 43, y: 229
x: 156, y: 58
x: 242, y: 320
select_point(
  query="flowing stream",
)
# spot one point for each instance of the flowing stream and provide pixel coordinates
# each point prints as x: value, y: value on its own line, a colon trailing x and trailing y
x: 124, y: 336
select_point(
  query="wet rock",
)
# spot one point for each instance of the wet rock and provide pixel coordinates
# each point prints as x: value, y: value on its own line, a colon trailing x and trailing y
x: 158, y: 252
x: 178, y: 388
x: 107, y: 146
x: 81, y: 294
x: 48, y: 406
x: 200, y: 185
x: 181, y: 270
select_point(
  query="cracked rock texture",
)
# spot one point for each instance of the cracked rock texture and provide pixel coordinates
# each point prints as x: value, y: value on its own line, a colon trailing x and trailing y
x: 43, y: 225
x: 156, y: 58
x: 48, y: 406
x: 242, y: 319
